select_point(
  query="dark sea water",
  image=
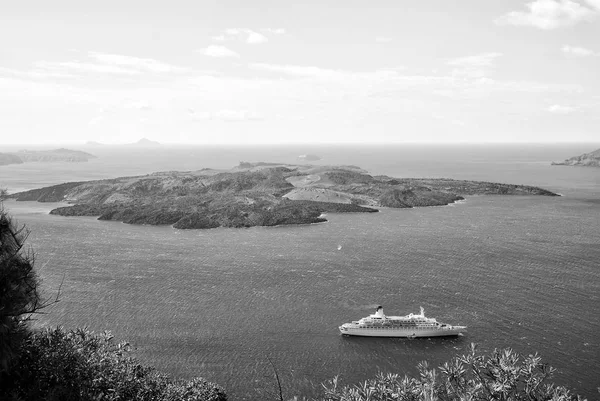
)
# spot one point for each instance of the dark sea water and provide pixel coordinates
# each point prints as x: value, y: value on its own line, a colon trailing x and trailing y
x: 520, y: 272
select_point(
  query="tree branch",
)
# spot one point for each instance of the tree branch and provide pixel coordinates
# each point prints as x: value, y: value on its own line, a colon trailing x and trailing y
x: 276, y: 378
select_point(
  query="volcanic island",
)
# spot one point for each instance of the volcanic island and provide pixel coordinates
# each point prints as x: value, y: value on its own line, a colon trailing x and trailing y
x: 256, y: 194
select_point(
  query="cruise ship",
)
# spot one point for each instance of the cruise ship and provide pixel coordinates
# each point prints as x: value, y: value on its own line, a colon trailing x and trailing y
x: 411, y: 326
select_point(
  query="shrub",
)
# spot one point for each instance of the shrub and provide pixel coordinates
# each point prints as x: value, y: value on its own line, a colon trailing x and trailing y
x: 19, y: 296
x: 503, y: 375
x: 56, y: 364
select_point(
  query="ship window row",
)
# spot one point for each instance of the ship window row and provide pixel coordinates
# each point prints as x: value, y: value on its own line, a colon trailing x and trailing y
x: 394, y: 327
x: 401, y: 324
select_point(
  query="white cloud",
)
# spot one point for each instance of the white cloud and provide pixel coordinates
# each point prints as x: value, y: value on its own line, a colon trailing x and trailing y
x: 96, y: 120
x: 577, y: 51
x: 305, y: 71
x: 370, y: 102
x: 101, y: 63
x: 248, y: 35
x: 323, y: 73
x: 35, y: 74
x: 551, y: 14
x: 479, y: 60
x: 199, y: 115
x: 84, y: 67
x: 559, y: 109
x: 391, y: 83
x: 138, y: 105
x: 477, y: 66
x: 218, y: 51
x: 255, y: 38
x: 142, y: 64
x: 383, y: 39
x: 594, y: 4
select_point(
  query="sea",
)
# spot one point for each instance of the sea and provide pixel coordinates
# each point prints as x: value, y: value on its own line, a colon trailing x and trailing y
x: 237, y: 306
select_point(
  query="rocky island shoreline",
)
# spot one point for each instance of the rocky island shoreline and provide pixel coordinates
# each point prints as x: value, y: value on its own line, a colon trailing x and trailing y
x: 591, y: 159
x: 51, y: 156
x: 256, y: 194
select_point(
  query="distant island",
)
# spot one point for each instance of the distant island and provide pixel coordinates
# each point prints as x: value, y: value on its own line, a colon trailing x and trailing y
x: 146, y: 142
x: 256, y: 194
x: 591, y: 159
x: 9, y: 158
x: 55, y: 155
x: 308, y: 158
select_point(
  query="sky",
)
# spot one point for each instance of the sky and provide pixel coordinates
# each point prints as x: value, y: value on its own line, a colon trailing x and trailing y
x: 311, y: 71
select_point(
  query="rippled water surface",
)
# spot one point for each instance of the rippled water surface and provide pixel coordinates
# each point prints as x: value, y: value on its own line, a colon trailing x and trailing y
x: 520, y: 272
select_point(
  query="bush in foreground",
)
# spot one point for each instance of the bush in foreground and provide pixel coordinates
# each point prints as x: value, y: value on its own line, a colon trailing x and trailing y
x: 19, y: 295
x: 503, y: 375
x: 56, y: 364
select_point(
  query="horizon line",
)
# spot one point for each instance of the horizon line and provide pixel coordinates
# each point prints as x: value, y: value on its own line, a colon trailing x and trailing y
x: 323, y: 143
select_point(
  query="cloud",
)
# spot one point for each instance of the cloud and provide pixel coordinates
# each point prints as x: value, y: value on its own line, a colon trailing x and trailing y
x: 551, y: 14
x: 218, y: 51
x: 199, y: 115
x: 323, y: 73
x: 255, y: 38
x: 479, y: 60
x: 558, y: 109
x: 138, y: 105
x: 594, y: 4
x: 96, y: 120
x: 84, y: 67
x: 477, y: 66
x: 383, y: 39
x: 102, y: 63
x: 248, y: 35
x: 577, y: 51
x: 35, y: 74
x: 141, y: 64
x: 303, y: 71
x: 393, y: 83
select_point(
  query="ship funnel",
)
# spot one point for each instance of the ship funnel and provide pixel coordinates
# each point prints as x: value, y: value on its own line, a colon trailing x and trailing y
x: 379, y: 311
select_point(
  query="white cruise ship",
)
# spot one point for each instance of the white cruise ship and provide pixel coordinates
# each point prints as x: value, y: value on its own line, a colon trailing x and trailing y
x: 380, y: 325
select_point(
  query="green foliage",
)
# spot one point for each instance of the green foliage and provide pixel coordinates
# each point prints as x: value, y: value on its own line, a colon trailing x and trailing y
x: 19, y: 296
x: 504, y: 375
x: 55, y: 364
x: 193, y: 390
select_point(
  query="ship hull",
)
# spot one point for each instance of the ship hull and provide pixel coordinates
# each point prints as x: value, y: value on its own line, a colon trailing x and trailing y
x: 401, y: 332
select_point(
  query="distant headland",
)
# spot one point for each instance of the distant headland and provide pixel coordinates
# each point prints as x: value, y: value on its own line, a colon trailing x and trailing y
x: 256, y: 194
x: 55, y: 155
x: 591, y: 159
